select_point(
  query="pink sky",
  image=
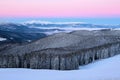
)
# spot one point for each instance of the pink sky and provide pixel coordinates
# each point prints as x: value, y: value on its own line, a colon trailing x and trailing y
x: 59, y: 8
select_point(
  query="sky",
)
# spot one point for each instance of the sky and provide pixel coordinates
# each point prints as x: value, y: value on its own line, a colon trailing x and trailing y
x: 60, y: 9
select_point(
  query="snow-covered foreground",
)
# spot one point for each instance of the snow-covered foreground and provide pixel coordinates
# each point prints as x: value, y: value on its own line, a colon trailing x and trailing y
x: 106, y: 69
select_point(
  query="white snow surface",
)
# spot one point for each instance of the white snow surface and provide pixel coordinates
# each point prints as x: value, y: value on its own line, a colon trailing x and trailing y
x: 2, y: 39
x: 105, y: 69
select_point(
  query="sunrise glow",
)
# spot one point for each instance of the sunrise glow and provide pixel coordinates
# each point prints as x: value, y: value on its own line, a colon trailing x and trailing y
x: 59, y: 8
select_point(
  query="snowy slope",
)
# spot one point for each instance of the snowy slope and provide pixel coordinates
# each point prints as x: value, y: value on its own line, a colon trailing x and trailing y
x: 106, y: 69
x: 2, y: 39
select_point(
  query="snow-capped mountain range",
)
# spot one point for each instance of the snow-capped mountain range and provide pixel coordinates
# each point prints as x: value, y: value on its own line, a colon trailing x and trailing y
x: 33, y: 30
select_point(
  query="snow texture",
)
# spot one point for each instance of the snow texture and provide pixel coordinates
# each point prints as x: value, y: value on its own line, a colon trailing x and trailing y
x: 2, y: 39
x: 105, y: 69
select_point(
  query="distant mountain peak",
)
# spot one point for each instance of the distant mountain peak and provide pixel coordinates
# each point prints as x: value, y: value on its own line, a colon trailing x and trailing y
x: 48, y: 22
x: 37, y: 22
